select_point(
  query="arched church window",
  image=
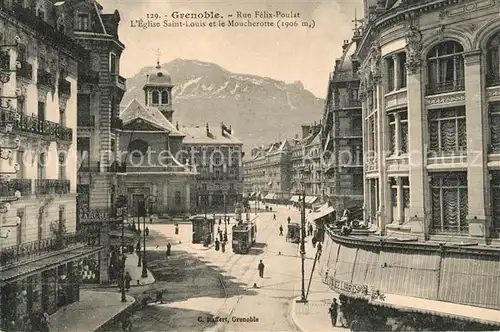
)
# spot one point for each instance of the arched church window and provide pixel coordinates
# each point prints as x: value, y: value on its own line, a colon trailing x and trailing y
x: 446, y: 68
x: 155, y: 98
x: 164, y: 97
x: 493, y: 60
x: 138, y: 148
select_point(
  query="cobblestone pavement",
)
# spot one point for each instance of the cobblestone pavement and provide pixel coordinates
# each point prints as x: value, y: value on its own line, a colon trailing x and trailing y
x: 201, y: 283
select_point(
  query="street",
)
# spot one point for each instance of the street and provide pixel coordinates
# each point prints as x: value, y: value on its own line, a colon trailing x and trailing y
x: 209, y: 290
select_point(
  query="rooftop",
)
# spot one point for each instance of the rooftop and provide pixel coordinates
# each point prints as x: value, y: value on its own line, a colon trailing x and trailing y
x: 208, y: 135
x: 152, y: 115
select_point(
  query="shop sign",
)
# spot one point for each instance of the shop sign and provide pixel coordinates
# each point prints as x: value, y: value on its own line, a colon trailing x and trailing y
x: 87, y: 215
x: 348, y: 287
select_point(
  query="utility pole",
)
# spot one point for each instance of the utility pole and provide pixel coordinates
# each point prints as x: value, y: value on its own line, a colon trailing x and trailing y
x: 144, y: 209
x: 122, y: 202
x: 303, y: 298
x: 225, y: 219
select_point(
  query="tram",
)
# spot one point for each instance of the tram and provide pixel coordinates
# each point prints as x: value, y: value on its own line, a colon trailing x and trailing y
x: 293, y: 233
x: 203, y: 229
x: 244, y: 236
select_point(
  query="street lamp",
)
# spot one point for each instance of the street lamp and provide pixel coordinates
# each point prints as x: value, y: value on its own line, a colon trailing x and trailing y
x: 225, y: 218
x: 303, y: 298
x: 122, y: 211
x: 148, y: 209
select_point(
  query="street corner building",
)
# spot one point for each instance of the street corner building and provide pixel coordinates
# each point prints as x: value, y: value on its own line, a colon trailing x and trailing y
x: 420, y: 83
x: 42, y: 257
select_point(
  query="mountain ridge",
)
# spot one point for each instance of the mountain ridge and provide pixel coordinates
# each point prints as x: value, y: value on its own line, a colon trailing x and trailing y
x: 260, y: 109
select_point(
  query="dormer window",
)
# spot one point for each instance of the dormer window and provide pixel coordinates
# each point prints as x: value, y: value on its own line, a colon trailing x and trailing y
x: 83, y: 22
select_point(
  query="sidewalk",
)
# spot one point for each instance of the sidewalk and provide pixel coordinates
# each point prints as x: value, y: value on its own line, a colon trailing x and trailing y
x: 313, y: 316
x: 94, y: 309
x: 135, y: 271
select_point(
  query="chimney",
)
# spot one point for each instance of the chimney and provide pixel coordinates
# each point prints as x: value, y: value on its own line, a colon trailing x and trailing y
x: 306, y: 129
x: 208, y: 131
x: 177, y: 125
x: 230, y: 130
x: 222, y: 127
x: 345, y: 45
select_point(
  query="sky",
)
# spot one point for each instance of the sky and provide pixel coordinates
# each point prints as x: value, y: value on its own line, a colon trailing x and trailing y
x: 287, y: 54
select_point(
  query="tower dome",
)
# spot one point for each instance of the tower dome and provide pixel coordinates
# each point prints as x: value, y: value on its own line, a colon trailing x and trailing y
x: 158, y: 77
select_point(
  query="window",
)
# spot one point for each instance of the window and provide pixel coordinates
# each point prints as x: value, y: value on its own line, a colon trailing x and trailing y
x: 402, y: 69
x: 494, y: 112
x: 21, y: 228
x: 178, y: 198
x: 449, y: 202
x: 155, y: 97
x: 20, y: 105
x: 493, y: 60
x: 41, y: 111
x: 83, y: 149
x: 40, y: 223
x: 62, y: 167
x: 40, y: 14
x: 41, y: 166
x: 447, y: 130
x: 390, y: 73
x: 164, y: 97
x: 112, y: 63
x: 83, y: 22
x: 217, y: 174
x: 62, y: 117
x: 204, y: 187
x: 445, y: 68
x: 20, y: 161
x: 398, y: 132
x: 231, y: 187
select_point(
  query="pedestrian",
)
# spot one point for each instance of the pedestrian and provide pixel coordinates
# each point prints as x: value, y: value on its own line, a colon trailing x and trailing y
x: 217, y: 244
x: 138, y: 247
x: 274, y: 216
x: 310, y: 229
x: 220, y: 221
x: 147, y: 231
x: 169, y: 246
x: 127, y: 324
x: 333, y: 310
x: 261, y: 269
x: 223, y: 246
x: 221, y: 236
x: 288, y: 219
x: 341, y: 317
x: 120, y: 283
x: 281, y: 230
x: 159, y: 297
x: 128, y: 279
x: 176, y: 229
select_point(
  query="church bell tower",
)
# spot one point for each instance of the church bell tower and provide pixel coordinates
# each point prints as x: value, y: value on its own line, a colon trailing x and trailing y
x: 158, y: 90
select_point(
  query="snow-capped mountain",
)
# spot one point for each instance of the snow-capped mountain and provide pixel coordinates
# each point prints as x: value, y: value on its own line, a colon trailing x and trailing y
x: 260, y: 109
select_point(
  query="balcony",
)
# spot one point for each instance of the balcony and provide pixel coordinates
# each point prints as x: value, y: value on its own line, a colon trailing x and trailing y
x: 45, y: 78
x: 119, y: 81
x: 9, y: 189
x: 48, y: 187
x: 64, y: 87
x: 95, y: 167
x: 85, y: 120
x: 352, y: 103
x: 90, y: 77
x: 456, y: 156
x: 27, y: 124
x: 37, y: 249
x: 25, y: 70
x: 436, y: 88
x: 492, y: 79
x: 41, y: 28
x: 116, y: 123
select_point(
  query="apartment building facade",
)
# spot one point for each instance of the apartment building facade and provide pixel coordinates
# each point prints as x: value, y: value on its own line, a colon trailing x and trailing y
x: 38, y: 93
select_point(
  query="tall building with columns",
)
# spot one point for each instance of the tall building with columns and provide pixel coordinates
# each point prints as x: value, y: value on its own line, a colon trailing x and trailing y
x: 429, y: 85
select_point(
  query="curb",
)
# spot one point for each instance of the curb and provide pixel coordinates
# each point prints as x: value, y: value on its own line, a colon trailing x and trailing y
x: 120, y: 315
x: 293, y: 315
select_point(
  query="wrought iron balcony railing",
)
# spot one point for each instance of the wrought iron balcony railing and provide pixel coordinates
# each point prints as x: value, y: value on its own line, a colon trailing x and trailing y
x: 95, y: 167
x: 85, y: 120
x: 9, y: 189
x: 31, y: 250
x: 120, y: 81
x: 492, y: 79
x: 64, y: 87
x: 28, y: 124
x: 25, y: 70
x: 47, y: 187
x: 435, y: 88
x: 45, y: 78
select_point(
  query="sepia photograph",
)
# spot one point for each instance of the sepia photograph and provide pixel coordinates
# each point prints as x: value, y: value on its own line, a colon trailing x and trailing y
x: 249, y: 165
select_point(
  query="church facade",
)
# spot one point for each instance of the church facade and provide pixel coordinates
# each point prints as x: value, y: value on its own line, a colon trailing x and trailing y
x: 151, y: 176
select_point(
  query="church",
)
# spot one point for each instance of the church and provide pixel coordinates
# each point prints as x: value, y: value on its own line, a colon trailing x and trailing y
x: 175, y: 170
x: 147, y: 148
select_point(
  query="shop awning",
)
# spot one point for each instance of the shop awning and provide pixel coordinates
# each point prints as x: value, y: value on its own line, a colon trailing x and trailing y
x: 270, y: 183
x: 320, y: 214
x: 252, y: 194
x: 447, y: 309
x: 269, y: 196
x: 294, y: 199
x: 47, y: 263
x: 311, y: 199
